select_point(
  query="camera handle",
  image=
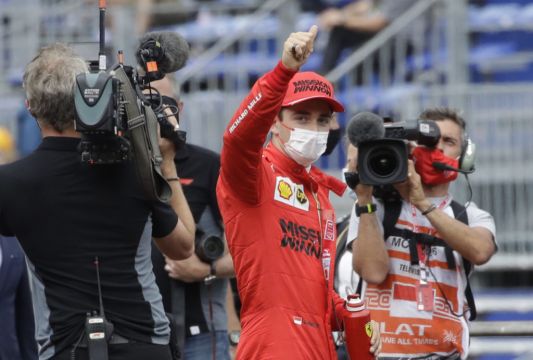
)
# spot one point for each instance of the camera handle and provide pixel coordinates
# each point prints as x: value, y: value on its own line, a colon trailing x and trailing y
x: 143, y: 130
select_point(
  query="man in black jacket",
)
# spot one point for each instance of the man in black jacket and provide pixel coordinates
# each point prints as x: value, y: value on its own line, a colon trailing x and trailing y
x: 70, y: 216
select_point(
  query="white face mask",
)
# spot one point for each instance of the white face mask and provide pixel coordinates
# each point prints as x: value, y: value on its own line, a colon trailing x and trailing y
x: 306, y: 146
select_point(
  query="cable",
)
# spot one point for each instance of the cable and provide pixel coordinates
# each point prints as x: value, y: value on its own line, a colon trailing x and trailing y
x: 470, y: 195
x: 75, y: 346
x: 443, y: 293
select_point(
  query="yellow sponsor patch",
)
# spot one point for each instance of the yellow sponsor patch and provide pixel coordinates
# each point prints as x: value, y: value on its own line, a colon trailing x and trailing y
x: 369, y: 329
x: 285, y: 190
x: 300, y: 196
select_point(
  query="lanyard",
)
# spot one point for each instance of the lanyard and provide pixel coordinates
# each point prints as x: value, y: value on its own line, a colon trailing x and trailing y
x: 422, y: 251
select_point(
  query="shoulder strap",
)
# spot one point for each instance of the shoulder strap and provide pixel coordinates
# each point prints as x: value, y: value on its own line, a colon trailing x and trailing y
x: 392, y: 213
x: 459, y: 212
x: 142, y: 125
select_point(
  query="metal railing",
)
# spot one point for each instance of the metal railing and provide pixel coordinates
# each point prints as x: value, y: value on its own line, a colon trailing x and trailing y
x: 26, y: 26
x: 197, y: 68
x: 425, y: 46
x: 238, y: 51
x: 381, y: 48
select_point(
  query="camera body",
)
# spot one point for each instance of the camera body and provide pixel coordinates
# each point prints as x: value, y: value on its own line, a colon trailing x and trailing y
x: 384, y: 161
x: 100, y: 118
x: 104, y: 100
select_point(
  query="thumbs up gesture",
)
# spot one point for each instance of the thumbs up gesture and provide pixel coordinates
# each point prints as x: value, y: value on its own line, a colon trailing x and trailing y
x: 298, y: 47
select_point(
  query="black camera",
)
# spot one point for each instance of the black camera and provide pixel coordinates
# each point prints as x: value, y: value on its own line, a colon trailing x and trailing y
x: 116, y: 121
x: 100, y: 118
x: 384, y: 161
x: 111, y: 103
x: 209, y: 247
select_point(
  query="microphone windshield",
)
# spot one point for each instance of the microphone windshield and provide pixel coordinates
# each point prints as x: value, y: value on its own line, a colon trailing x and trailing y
x: 170, y: 49
x: 365, y: 126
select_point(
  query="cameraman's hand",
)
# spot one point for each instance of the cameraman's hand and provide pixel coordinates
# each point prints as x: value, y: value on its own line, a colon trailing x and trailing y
x: 364, y: 193
x: 411, y: 190
x: 298, y: 47
x: 168, y: 150
x: 189, y: 270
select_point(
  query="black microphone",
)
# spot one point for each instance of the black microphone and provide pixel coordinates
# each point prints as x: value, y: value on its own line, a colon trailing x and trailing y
x: 169, y: 49
x: 365, y: 126
x: 444, y: 167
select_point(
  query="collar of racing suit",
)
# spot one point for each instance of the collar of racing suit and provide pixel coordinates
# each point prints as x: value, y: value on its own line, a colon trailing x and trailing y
x: 312, y: 178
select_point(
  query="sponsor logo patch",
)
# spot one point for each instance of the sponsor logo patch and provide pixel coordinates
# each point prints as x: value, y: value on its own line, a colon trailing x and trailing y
x: 311, y: 85
x: 300, y: 238
x: 284, y: 190
x: 368, y: 329
x: 300, y: 196
x: 245, y: 112
x: 329, y: 233
x: 326, y: 262
x: 287, y: 192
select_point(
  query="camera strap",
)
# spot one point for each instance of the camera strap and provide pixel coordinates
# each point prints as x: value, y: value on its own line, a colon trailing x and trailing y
x: 142, y: 125
x: 392, y: 213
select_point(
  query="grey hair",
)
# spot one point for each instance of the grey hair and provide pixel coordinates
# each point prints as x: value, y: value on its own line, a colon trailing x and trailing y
x: 49, y: 81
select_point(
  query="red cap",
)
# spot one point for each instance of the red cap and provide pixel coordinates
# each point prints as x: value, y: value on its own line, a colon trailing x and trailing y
x: 309, y: 85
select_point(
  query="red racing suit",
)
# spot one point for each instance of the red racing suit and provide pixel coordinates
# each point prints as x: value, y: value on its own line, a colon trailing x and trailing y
x: 280, y: 229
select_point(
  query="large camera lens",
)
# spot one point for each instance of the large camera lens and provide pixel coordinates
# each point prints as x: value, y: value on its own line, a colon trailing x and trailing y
x: 382, y: 162
x: 209, y: 248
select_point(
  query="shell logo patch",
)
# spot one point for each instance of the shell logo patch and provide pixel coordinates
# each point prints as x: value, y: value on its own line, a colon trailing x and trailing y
x: 368, y: 329
x: 287, y: 192
x: 284, y: 189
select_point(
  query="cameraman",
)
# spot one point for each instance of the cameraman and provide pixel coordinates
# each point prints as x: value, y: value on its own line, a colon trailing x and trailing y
x: 199, y: 307
x: 417, y: 290
x: 66, y: 214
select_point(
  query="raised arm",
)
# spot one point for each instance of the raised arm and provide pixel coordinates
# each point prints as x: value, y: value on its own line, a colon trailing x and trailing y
x: 476, y: 244
x: 178, y: 243
x: 247, y: 131
x: 370, y: 260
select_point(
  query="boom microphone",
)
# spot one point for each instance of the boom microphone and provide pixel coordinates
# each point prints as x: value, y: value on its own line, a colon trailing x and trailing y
x: 365, y: 126
x: 445, y: 167
x: 169, y: 49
